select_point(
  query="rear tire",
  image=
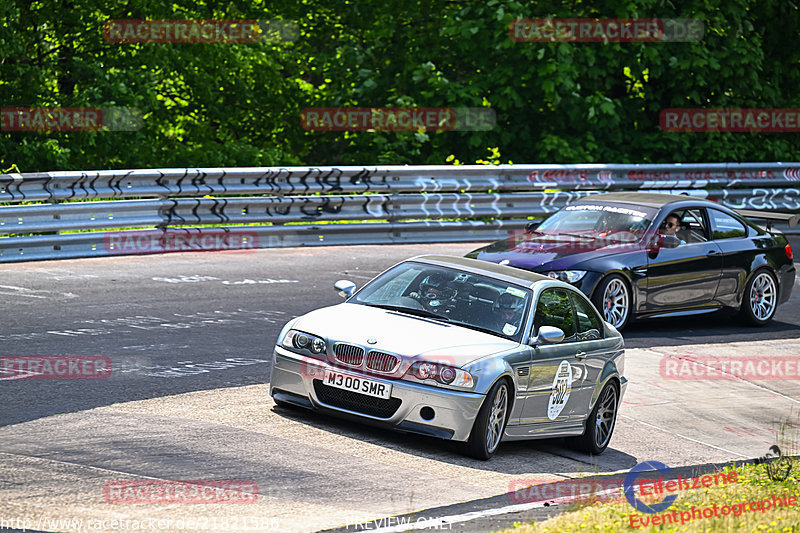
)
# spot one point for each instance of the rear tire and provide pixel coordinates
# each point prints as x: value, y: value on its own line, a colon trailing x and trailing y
x: 613, y: 299
x: 487, y: 431
x: 759, y: 299
x: 601, y: 422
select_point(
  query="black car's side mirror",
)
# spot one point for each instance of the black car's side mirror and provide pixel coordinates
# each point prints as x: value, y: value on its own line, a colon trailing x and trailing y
x: 533, y: 224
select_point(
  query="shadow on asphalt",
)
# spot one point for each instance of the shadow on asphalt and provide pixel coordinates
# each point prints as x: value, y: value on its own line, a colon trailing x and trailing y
x: 542, y: 456
x: 719, y: 327
x: 586, y: 493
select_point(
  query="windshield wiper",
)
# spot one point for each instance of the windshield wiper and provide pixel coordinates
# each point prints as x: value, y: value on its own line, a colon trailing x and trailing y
x: 409, y: 310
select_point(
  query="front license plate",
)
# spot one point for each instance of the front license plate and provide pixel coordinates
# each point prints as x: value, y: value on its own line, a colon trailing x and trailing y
x: 359, y: 385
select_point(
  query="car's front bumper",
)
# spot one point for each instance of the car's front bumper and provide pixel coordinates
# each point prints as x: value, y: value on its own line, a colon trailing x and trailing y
x: 293, y: 381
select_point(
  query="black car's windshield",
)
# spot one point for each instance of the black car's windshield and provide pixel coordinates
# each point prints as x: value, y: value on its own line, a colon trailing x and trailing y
x: 470, y: 300
x: 626, y: 223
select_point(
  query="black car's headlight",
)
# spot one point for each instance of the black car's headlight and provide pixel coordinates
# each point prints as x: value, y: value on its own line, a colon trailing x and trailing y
x: 444, y: 374
x: 570, y: 276
x: 304, y: 343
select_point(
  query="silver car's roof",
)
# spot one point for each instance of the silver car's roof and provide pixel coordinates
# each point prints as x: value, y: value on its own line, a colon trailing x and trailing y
x: 502, y: 272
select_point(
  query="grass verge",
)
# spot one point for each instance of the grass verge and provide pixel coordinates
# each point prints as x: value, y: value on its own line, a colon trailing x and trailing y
x: 753, y: 485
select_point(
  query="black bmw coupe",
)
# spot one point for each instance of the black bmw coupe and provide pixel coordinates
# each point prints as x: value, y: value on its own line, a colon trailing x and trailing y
x: 647, y: 255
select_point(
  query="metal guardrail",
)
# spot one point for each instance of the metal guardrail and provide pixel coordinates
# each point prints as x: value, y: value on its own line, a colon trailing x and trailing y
x: 292, y: 205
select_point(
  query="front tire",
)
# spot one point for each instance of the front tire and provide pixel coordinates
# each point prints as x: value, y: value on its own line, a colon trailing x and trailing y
x: 613, y: 299
x: 487, y: 431
x: 760, y: 299
x: 601, y: 422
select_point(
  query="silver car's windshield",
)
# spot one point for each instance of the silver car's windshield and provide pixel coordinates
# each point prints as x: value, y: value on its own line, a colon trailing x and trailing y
x: 471, y: 300
x: 628, y: 223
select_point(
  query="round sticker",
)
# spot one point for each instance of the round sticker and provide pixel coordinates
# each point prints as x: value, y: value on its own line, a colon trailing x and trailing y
x: 509, y: 329
x: 562, y: 387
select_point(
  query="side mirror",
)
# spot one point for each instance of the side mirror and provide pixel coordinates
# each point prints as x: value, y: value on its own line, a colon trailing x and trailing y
x: 346, y: 288
x: 533, y: 224
x: 548, y: 335
x: 670, y: 241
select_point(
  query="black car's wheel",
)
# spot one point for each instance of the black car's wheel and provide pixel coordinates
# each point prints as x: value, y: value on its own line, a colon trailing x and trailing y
x: 490, y: 423
x: 613, y: 299
x: 600, y: 424
x: 760, y: 298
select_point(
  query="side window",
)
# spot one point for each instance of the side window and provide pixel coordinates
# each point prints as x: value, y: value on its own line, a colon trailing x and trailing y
x: 554, y: 309
x: 724, y: 226
x: 686, y: 224
x: 589, y: 326
x: 693, y: 227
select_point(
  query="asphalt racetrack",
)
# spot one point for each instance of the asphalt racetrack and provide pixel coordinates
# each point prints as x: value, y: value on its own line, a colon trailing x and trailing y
x: 190, y: 340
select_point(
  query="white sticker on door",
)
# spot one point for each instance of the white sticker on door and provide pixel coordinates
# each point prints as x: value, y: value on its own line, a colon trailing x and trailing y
x: 562, y: 387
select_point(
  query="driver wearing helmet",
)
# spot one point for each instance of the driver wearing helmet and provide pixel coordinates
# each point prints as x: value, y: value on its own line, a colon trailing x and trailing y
x: 508, y: 310
x: 433, y: 291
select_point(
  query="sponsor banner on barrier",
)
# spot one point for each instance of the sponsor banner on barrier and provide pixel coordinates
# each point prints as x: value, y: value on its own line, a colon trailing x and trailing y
x: 730, y: 120
x: 155, y: 241
x: 722, y: 367
x: 600, y: 177
x: 163, y: 492
x: 598, y: 30
x: 54, y: 367
x: 70, y: 119
x: 398, y: 119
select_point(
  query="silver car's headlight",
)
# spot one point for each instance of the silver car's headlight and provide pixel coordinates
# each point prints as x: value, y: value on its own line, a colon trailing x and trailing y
x: 570, y: 276
x: 444, y: 374
x: 304, y: 343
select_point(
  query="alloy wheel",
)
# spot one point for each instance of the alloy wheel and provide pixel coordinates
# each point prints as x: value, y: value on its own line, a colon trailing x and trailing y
x: 616, y: 302
x: 606, y: 416
x: 497, y: 418
x: 763, y: 296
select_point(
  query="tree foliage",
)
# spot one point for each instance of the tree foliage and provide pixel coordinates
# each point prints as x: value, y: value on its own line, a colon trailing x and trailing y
x: 225, y: 104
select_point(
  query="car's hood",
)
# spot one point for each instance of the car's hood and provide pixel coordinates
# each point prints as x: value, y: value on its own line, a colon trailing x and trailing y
x: 409, y: 336
x: 538, y: 252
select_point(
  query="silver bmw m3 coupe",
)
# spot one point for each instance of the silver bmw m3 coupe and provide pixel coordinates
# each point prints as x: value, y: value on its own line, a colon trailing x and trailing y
x: 458, y: 349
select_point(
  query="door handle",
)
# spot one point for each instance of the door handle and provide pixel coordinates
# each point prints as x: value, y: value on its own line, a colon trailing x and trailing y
x: 712, y: 252
x: 580, y: 355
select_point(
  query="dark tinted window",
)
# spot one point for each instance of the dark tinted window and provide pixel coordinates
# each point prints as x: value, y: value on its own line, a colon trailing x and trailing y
x: 554, y: 309
x: 589, y: 325
x: 724, y: 226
